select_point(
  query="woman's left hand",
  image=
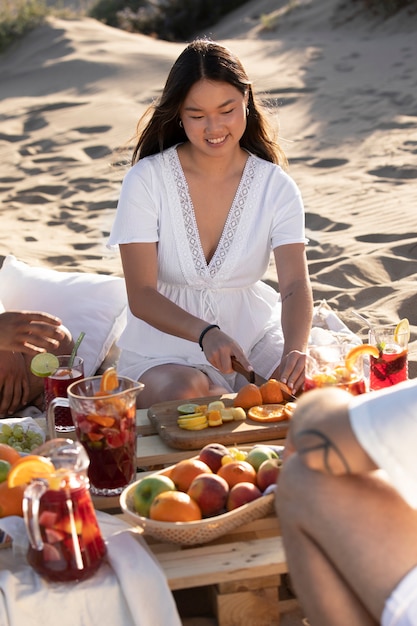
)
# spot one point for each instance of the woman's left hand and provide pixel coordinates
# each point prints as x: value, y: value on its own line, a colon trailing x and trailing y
x: 291, y: 370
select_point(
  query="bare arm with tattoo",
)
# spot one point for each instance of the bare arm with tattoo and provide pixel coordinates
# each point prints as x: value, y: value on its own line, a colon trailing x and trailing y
x: 321, y: 434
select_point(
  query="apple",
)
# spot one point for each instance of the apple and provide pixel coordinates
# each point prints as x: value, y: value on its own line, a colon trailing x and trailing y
x: 260, y: 453
x: 147, y: 489
x: 241, y: 494
x: 268, y: 473
x: 212, y: 455
x: 210, y: 492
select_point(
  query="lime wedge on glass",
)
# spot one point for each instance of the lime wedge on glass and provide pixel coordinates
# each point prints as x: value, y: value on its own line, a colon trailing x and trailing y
x: 44, y: 364
x: 186, y: 409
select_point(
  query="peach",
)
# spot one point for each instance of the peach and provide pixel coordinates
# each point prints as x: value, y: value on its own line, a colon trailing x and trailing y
x: 210, y: 492
x: 241, y: 494
x: 212, y: 455
x: 268, y: 473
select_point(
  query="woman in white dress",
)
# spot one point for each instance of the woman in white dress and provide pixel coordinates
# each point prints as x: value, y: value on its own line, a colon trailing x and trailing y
x: 203, y: 205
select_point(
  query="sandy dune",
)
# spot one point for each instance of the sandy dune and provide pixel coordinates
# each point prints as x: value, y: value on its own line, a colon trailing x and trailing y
x: 345, y: 85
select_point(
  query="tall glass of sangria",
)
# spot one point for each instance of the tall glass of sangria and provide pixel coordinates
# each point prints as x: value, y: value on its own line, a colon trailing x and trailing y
x: 65, y: 542
x: 391, y: 365
x: 336, y: 365
x: 70, y: 369
x: 104, y: 412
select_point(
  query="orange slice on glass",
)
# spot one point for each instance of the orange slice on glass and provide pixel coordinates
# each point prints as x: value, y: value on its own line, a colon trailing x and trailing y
x: 109, y: 380
x: 28, y: 468
x: 268, y: 413
x: 402, y: 328
x: 361, y: 350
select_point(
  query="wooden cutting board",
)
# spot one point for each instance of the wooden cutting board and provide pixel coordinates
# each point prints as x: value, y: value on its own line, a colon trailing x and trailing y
x: 165, y: 414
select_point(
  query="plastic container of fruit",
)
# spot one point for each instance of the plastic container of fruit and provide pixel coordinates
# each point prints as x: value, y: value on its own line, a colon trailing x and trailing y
x: 199, y: 532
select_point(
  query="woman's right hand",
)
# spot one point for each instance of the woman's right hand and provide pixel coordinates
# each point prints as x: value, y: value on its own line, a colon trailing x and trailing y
x: 219, y: 348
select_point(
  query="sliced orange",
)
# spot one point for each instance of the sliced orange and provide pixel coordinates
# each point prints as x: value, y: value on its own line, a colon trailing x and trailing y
x: 271, y: 392
x: 102, y: 420
x: 28, y: 468
x: 362, y: 350
x: 249, y: 395
x: 268, y: 413
x: 109, y: 380
x: 402, y: 328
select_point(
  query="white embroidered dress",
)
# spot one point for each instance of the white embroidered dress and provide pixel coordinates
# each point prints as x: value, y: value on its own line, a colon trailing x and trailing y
x: 155, y: 206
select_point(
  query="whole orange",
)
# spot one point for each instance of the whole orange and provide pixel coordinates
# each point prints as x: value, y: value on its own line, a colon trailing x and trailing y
x: 248, y: 396
x: 271, y: 392
x: 237, y: 472
x: 7, y: 453
x: 11, y: 500
x: 184, y: 472
x: 174, y: 506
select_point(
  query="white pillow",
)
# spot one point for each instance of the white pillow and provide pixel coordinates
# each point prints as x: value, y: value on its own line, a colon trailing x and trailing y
x: 93, y: 303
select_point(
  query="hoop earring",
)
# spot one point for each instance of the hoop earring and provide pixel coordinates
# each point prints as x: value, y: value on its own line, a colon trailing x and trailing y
x: 180, y: 124
x: 247, y: 111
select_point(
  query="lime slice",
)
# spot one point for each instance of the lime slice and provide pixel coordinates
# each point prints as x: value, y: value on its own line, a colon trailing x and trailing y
x: 402, y: 328
x: 44, y: 364
x: 185, y: 409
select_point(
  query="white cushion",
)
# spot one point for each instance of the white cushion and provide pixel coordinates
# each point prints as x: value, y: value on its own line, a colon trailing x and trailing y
x: 93, y: 303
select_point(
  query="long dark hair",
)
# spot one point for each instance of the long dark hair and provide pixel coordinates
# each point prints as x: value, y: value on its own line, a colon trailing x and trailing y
x: 203, y: 59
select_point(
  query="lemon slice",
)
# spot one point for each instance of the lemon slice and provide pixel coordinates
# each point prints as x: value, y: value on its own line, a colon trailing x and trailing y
x: 109, y: 380
x: 402, y: 328
x: 353, y: 355
x: 185, y: 409
x: 44, y: 364
x: 29, y: 467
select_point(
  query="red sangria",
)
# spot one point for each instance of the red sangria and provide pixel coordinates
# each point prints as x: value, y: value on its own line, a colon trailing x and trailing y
x: 73, y: 547
x: 104, y: 413
x: 391, y: 365
x: 338, y: 365
x: 65, y: 539
x: 56, y: 385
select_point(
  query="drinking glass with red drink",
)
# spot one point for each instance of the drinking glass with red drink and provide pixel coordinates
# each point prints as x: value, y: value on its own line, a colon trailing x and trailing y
x: 105, y: 423
x: 391, y: 366
x: 65, y: 542
x: 330, y: 365
x: 70, y: 369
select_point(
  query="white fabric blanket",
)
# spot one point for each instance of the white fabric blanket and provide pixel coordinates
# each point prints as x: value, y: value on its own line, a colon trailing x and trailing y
x: 129, y: 589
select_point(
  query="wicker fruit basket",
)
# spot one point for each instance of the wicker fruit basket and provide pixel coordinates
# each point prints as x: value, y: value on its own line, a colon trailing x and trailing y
x: 200, y: 532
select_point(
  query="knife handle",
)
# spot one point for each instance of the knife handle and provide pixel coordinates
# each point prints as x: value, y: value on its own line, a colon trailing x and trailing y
x: 238, y: 367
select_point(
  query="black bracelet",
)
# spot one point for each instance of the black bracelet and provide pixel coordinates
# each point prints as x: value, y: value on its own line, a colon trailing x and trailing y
x: 203, y: 334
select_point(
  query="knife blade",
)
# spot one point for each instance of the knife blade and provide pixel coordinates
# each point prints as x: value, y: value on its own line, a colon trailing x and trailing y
x: 257, y: 379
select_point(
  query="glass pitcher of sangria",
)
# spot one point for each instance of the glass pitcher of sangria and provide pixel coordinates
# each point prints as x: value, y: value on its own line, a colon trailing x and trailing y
x: 65, y: 542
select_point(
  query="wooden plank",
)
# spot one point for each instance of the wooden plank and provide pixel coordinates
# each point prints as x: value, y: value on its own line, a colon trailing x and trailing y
x: 246, y: 608
x: 144, y: 426
x: 165, y: 414
x: 153, y: 451
x: 212, y: 564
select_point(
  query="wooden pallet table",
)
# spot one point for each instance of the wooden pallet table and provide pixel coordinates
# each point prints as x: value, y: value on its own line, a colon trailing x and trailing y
x: 241, y: 575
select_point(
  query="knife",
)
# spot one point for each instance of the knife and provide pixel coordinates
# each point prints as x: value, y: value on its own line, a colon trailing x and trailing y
x: 257, y: 379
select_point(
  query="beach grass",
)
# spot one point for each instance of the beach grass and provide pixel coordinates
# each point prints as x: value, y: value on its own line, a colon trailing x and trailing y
x: 17, y: 17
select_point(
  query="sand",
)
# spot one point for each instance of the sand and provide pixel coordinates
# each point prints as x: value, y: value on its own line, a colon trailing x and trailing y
x: 345, y: 89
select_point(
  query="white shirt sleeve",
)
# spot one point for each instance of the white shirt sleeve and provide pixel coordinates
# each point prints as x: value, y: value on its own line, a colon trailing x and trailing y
x: 385, y: 424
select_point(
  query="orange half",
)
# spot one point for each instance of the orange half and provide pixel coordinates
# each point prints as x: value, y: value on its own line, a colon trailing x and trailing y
x: 362, y: 350
x: 28, y: 468
x: 109, y: 380
x: 268, y: 413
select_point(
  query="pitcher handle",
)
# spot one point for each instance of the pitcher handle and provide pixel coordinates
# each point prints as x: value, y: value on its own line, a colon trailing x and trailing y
x: 31, y: 500
x: 50, y: 415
